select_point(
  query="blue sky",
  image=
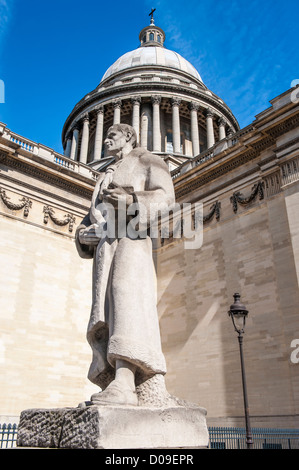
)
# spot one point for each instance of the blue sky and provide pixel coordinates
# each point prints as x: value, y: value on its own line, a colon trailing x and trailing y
x: 54, y: 52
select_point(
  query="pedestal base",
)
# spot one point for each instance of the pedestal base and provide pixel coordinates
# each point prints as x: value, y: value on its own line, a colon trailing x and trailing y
x: 117, y: 427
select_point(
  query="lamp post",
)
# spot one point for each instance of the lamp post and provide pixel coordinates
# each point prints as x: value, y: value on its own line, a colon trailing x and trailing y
x: 238, y: 314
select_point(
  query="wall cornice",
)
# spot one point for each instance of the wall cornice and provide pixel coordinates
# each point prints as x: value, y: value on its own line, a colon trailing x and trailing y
x: 45, y: 175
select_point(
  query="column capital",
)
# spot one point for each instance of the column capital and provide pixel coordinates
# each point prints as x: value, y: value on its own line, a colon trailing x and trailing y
x: 85, y: 117
x: 136, y: 99
x: 175, y: 101
x: 116, y: 103
x: 221, y: 121
x: 156, y: 99
x: 193, y: 106
x: 99, y: 109
x: 209, y: 113
x: 76, y: 126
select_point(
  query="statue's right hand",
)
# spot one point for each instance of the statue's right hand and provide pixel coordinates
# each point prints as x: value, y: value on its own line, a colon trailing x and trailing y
x: 89, y: 235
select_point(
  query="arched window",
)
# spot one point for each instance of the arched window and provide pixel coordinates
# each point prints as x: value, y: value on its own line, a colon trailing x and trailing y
x: 151, y: 36
x: 144, y: 38
x: 159, y: 38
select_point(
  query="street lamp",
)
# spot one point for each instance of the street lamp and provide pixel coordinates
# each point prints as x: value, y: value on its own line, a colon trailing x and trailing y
x: 238, y: 314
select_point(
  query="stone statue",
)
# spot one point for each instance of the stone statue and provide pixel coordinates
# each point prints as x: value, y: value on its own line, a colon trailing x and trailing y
x: 133, y: 409
x: 123, y: 330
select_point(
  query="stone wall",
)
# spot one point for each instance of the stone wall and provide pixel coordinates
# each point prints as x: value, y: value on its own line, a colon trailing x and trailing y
x: 44, y: 353
x: 253, y: 252
x: 45, y: 287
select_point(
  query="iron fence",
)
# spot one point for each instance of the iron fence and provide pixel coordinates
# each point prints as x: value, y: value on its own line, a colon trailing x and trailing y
x: 263, y: 438
x: 8, y: 435
x: 220, y: 437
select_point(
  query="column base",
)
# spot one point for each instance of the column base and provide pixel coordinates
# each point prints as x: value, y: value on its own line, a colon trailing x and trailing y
x: 114, y: 427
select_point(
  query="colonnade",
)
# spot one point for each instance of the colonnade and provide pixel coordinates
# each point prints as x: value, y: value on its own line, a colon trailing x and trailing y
x: 145, y: 117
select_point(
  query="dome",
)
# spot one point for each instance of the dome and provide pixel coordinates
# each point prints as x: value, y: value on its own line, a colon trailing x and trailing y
x: 152, y: 55
x: 161, y: 95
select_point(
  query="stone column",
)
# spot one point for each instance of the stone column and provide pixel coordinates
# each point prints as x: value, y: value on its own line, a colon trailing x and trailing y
x: 136, y: 100
x: 229, y: 136
x: 210, y: 129
x: 145, y: 126
x: 84, y: 140
x: 116, y: 106
x: 98, y: 140
x: 194, y: 128
x: 74, y: 148
x: 67, y: 151
x: 221, y: 124
x: 156, y: 100
x: 176, y: 131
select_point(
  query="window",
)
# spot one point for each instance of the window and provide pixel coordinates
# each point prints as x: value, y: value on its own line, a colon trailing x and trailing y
x: 144, y: 38
x: 159, y: 38
x: 151, y: 36
x: 169, y: 146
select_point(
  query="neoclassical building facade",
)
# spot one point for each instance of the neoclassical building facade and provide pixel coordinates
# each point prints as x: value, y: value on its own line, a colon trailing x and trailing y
x: 248, y: 182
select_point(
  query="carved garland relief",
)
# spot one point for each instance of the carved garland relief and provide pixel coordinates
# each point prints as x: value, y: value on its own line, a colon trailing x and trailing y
x: 215, y: 209
x: 26, y: 204
x: 68, y: 219
x: 238, y: 198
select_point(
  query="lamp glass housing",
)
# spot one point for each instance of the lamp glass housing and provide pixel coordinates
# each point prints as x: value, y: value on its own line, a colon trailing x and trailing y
x: 238, y: 314
x: 239, y: 320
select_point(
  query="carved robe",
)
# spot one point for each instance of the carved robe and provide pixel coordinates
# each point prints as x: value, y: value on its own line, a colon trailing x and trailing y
x: 124, y: 321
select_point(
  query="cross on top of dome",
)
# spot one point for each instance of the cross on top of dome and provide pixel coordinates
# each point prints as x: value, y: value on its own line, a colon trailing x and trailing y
x: 152, y: 15
x: 152, y: 35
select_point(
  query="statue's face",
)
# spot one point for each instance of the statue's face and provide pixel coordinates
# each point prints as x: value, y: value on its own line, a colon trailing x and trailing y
x: 115, y: 141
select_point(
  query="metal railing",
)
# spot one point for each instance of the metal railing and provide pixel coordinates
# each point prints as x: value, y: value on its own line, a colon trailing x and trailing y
x: 8, y: 435
x: 220, y: 437
x: 263, y: 438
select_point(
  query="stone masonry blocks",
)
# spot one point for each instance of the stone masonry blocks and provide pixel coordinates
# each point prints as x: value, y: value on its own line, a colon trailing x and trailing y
x: 107, y: 427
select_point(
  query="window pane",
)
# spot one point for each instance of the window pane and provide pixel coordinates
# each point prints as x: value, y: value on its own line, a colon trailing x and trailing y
x: 169, y: 146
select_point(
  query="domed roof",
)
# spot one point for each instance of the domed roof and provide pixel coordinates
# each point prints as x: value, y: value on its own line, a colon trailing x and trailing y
x: 152, y: 55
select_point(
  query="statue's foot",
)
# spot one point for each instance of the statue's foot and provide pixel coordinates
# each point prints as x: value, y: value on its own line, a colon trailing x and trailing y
x: 115, y: 394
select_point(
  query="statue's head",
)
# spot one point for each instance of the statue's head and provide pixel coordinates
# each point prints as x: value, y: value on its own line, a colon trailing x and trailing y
x: 120, y: 136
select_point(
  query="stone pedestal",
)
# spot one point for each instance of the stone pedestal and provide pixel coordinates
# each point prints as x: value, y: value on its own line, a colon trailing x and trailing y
x: 118, y: 427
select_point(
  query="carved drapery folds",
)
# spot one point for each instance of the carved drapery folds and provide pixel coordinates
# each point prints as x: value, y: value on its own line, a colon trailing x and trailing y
x: 67, y: 220
x: 238, y: 198
x: 24, y: 203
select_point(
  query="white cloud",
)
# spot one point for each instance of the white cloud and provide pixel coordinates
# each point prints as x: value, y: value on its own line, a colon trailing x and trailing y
x: 5, y: 15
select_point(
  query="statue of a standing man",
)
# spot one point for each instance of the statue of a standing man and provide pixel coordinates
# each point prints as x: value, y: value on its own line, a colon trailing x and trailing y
x: 123, y: 330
